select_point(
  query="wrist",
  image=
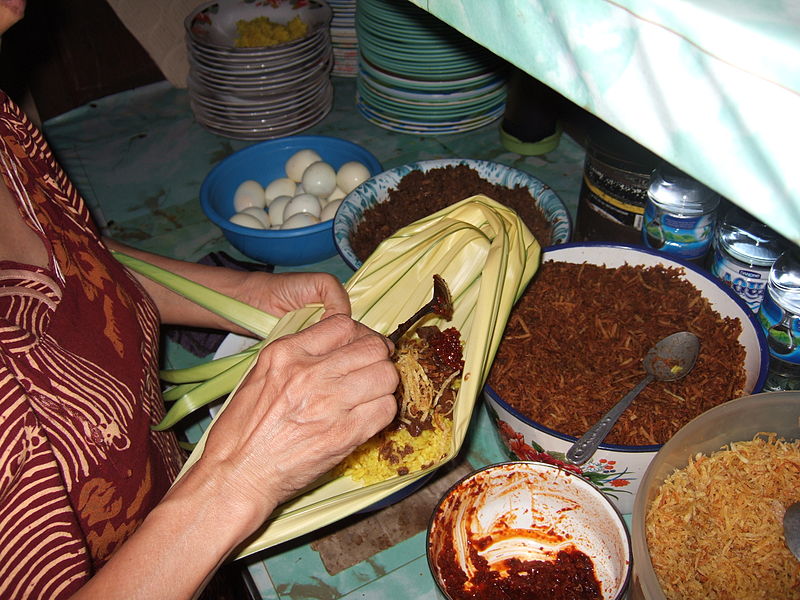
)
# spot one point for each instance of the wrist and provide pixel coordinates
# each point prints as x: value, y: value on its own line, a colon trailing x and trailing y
x: 223, y: 495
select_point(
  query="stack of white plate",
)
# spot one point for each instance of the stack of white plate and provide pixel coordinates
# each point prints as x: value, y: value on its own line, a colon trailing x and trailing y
x: 343, y: 38
x: 419, y: 75
x: 265, y: 92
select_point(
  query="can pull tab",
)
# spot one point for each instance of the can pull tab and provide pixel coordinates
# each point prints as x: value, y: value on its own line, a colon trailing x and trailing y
x: 779, y: 336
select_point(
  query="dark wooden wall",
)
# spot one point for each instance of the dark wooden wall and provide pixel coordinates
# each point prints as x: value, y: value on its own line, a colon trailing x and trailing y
x: 69, y: 52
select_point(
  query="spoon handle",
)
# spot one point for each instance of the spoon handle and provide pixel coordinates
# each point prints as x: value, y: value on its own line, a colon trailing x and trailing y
x: 586, y: 446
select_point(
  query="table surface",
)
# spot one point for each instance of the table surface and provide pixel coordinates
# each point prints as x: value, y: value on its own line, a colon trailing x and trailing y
x: 139, y: 159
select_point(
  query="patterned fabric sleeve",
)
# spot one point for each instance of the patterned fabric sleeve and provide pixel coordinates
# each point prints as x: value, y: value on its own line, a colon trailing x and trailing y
x: 43, y: 551
x: 80, y: 466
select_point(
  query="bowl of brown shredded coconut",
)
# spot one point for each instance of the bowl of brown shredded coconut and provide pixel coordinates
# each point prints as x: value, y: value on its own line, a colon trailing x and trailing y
x: 574, y: 346
x: 708, y: 521
x: 400, y: 196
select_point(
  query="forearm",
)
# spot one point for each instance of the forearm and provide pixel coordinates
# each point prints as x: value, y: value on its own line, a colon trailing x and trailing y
x: 180, y: 544
x: 173, y: 308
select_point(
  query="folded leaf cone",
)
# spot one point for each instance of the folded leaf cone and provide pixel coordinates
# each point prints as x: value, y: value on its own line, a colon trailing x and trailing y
x: 487, y: 256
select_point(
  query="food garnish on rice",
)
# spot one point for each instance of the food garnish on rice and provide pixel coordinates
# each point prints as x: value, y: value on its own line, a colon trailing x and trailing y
x: 430, y: 363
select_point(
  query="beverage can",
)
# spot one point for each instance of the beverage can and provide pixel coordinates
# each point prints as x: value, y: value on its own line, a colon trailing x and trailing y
x: 680, y: 215
x: 744, y: 251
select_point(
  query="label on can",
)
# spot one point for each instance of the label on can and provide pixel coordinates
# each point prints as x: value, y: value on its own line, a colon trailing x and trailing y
x: 687, y: 237
x: 749, y: 283
x: 616, y: 176
x: 612, y: 208
x: 782, y: 330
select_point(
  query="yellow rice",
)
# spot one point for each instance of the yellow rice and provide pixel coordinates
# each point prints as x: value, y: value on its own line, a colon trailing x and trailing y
x: 366, y: 466
x: 261, y: 32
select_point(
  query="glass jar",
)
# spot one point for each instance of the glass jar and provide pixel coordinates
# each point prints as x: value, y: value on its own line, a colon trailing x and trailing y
x: 614, y: 188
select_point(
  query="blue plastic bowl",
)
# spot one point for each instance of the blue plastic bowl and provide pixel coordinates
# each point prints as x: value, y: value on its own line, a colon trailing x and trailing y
x: 376, y: 190
x: 265, y: 162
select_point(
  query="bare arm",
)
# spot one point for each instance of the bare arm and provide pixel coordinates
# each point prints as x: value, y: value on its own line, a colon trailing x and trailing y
x: 309, y: 401
x: 276, y: 294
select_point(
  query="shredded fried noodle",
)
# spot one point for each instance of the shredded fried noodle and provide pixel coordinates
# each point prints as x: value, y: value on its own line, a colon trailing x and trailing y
x: 715, y: 529
x: 420, y: 435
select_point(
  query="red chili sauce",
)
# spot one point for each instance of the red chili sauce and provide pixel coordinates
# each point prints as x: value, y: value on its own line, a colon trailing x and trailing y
x: 570, y: 576
x: 447, y: 346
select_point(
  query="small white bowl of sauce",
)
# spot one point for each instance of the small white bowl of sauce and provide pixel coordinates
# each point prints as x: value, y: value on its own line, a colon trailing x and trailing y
x: 528, y: 530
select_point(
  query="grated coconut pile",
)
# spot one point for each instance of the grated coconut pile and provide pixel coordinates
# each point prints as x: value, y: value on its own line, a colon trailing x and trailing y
x: 715, y: 529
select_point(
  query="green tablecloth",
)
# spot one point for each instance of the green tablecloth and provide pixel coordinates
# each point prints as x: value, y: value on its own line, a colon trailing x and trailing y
x: 712, y: 86
x: 139, y: 159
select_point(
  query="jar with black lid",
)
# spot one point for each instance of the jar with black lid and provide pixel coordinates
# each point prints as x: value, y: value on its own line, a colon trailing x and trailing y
x: 613, y: 193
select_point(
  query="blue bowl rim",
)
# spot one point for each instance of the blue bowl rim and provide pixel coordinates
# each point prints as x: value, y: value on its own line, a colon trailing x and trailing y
x: 443, y: 162
x: 271, y: 234
x: 762, y: 340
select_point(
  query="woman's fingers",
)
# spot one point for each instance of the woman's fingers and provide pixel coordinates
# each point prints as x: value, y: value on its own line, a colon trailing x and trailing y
x: 311, y: 398
x: 372, y: 416
x: 333, y: 295
x: 283, y: 292
x: 336, y: 332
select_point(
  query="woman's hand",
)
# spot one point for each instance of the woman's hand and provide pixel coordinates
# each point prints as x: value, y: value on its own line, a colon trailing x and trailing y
x: 311, y: 398
x: 279, y: 293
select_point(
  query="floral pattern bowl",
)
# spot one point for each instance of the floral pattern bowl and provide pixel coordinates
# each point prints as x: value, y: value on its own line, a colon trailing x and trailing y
x: 376, y: 190
x: 213, y: 24
x: 617, y: 470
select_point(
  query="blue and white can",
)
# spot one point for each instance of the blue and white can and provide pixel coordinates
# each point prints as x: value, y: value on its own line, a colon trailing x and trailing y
x: 680, y: 214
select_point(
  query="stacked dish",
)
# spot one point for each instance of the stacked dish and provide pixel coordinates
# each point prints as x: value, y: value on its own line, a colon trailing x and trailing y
x: 419, y: 75
x: 259, y: 92
x: 343, y: 38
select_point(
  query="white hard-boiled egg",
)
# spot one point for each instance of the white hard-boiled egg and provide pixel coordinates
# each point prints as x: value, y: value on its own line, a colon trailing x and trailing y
x: 259, y: 213
x: 336, y: 194
x: 246, y: 220
x: 319, y: 179
x: 249, y: 193
x: 276, y: 208
x: 298, y: 163
x: 330, y: 210
x: 304, y: 203
x: 282, y: 186
x: 350, y: 175
x: 299, y: 220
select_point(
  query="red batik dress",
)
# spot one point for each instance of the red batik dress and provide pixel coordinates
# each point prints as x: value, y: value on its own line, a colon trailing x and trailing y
x: 80, y: 466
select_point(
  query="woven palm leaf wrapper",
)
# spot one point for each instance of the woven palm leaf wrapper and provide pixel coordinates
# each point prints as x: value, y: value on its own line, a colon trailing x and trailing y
x: 487, y: 256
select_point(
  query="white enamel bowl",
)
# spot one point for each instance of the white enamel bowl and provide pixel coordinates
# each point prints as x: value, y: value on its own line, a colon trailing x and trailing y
x: 528, y: 511
x: 617, y: 469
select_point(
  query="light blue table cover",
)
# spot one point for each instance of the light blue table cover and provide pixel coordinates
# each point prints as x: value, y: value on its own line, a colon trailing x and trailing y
x: 139, y: 159
x: 712, y: 86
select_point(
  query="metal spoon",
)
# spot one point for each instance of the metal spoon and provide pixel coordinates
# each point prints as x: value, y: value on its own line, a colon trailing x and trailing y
x: 670, y: 359
x: 791, y: 529
x: 441, y: 304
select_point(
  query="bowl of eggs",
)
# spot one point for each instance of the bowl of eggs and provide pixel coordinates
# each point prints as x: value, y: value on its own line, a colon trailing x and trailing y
x: 275, y: 200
